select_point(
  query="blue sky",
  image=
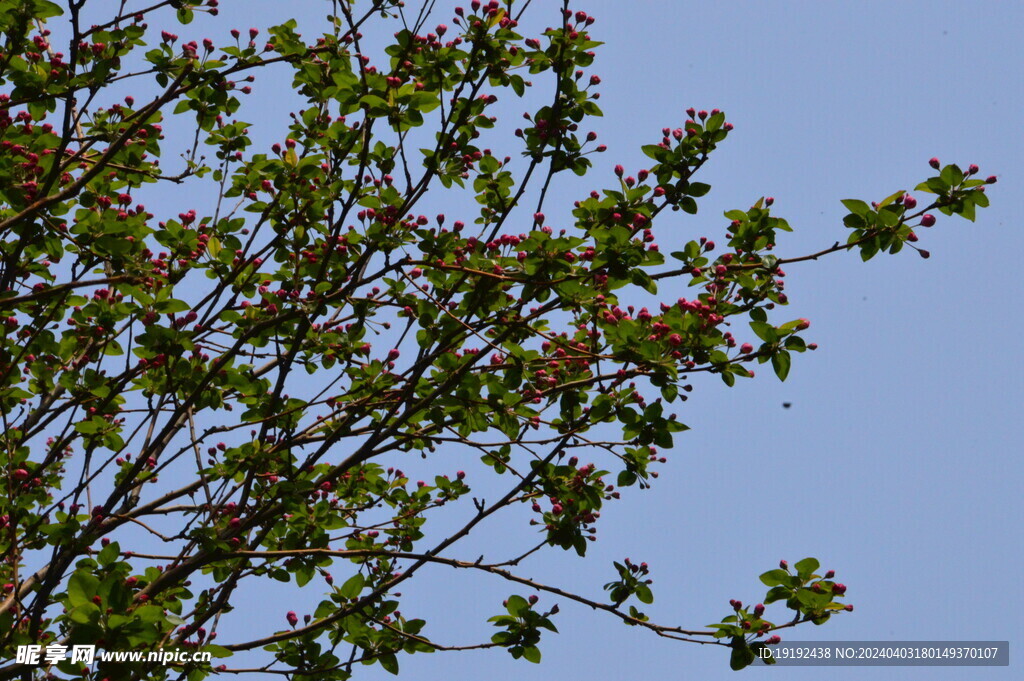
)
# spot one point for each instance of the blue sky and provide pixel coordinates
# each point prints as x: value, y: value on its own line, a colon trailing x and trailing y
x: 898, y: 463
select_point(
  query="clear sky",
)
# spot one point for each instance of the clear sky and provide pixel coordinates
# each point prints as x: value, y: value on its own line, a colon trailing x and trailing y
x: 899, y: 462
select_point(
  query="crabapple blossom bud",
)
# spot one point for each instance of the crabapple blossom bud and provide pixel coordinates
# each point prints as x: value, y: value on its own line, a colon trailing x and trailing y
x: 934, y: 163
x: 927, y: 220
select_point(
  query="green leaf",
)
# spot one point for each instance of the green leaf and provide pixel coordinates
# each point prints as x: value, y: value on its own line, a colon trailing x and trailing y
x: 531, y: 654
x: 742, y: 656
x: 891, y: 198
x: 86, y: 613
x: 777, y: 593
x: 765, y: 332
x: 352, y: 586
x: 857, y: 207
x: 170, y: 306
x: 517, y: 605
x: 775, y: 577
x: 109, y: 554
x: 806, y: 567
x: 82, y: 586
x: 44, y: 9
x: 952, y: 175
x: 781, y: 362
x: 375, y: 105
x: 389, y: 662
